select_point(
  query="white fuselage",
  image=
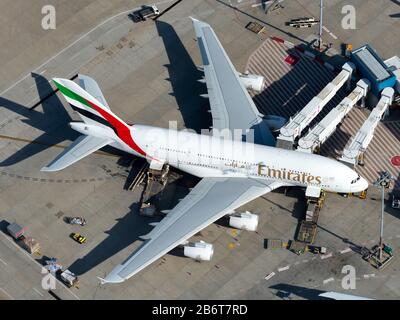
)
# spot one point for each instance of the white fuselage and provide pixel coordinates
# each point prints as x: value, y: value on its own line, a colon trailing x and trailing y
x: 208, y: 156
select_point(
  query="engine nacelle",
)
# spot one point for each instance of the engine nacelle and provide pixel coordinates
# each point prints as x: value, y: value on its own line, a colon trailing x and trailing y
x: 252, y: 81
x: 274, y: 123
x: 199, y: 251
x: 245, y: 221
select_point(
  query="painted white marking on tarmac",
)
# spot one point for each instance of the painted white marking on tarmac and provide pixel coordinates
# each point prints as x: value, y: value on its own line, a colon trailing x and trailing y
x: 269, y: 276
x: 333, y: 36
x: 345, y: 250
x: 35, y: 262
x: 255, y: 5
x: 328, y: 280
x: 32, y: 101
x: 7, y: 294
x: 330, y: 33
x: 43, y: 71
x: 242, y: 3
x: 75, y: 55
x: 283, y: 268
x: 71, y: 44
x: 367, y: 276
x: 19, y: 248
x: 326, y: 256
x: 38, y: 292
x: 3, y: 262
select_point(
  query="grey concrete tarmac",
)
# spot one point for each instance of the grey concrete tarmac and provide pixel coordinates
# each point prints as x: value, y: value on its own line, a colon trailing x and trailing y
x: 148, y: 75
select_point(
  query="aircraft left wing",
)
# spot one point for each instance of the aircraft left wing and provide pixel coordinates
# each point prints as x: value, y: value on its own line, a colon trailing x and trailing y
x: 231, y: 105
x: 209, y: 200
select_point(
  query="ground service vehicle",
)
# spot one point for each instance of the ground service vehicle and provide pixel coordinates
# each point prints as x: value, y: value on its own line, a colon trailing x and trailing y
x: 78, y: 237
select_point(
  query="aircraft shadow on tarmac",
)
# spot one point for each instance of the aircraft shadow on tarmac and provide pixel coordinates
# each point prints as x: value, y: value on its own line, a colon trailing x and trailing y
x: 53, y: 121
x: 184, y: 76
x: 129, y: 228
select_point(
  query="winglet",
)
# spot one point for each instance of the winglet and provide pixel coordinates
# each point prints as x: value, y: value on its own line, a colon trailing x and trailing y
x: 113, y: 276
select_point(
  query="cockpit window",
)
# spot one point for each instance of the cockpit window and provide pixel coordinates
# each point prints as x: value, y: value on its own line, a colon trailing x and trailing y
x: 356, y: 179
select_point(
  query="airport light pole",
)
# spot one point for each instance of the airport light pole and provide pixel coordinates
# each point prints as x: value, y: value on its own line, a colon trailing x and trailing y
x: 382, y: 182
x: 321, y: 7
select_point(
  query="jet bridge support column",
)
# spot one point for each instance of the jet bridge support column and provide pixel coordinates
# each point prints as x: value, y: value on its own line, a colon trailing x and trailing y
x: 349, y: 67
x: 292, y: 130
x: 323, y: 130
x: 353, y: 154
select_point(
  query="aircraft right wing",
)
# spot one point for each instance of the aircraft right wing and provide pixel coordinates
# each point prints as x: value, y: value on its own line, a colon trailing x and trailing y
x: 209, y: 200
x: 231, y: 105
x: 80, y: 148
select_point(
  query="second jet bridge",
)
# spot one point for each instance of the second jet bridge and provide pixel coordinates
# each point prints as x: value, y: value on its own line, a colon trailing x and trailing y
x: 363, y: 137
x: 301, y: 120
x: 323, y: 130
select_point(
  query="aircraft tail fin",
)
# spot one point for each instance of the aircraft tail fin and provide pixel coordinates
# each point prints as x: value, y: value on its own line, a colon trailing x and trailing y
x: 88, y: 100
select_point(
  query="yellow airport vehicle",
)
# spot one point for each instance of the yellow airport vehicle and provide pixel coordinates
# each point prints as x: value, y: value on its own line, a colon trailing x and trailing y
x: 78, y: 237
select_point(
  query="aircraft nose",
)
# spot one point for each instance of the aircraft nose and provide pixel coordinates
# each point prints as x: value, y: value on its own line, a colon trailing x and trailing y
x: 362, y: 185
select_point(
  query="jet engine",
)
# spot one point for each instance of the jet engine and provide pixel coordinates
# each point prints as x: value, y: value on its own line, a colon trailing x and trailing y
x: 245, y: 221
x: 252, y: 81
x: 199, y: 251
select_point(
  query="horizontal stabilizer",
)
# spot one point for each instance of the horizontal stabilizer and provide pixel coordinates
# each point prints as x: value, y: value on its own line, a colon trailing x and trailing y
x: 80, y: 148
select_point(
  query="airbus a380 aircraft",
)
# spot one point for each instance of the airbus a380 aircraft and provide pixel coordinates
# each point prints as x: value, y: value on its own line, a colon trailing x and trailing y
x: 233, y: 172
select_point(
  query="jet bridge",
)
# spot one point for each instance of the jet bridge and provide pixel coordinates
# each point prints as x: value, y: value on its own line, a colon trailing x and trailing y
x: 323, y: 130
x: 353, y: 153
x: 296, y: 125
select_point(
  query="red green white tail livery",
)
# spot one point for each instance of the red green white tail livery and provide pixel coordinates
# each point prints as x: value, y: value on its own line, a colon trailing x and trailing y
x: 101, y: 126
